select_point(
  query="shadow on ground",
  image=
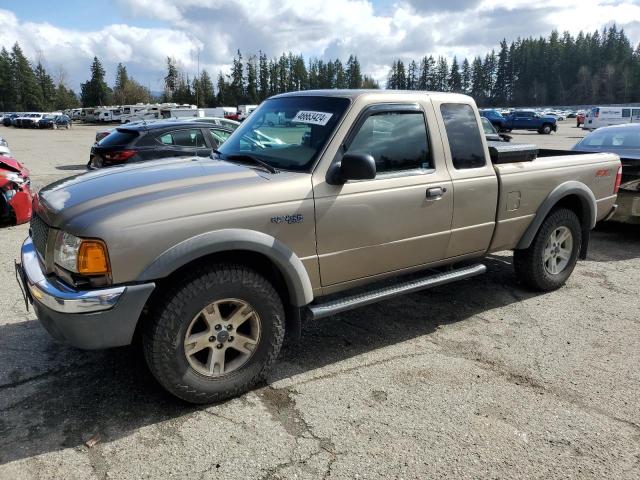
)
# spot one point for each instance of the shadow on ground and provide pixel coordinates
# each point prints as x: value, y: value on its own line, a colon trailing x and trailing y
x: 54, y: 397
x: 80, y: 166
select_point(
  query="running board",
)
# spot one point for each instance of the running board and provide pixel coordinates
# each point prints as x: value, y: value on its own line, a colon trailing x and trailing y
x: 343, y: 304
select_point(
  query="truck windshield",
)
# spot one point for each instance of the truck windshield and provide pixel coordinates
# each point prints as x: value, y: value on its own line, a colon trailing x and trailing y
x: 287, y: 133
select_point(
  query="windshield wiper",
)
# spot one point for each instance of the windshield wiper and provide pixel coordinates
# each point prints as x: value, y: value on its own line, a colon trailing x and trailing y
x: 247, y: 158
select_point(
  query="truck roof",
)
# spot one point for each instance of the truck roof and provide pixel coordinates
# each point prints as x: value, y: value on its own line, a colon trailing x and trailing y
x: 353, y: 94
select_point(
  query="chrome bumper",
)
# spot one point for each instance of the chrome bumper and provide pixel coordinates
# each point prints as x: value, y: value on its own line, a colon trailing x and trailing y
x: 59, y: 297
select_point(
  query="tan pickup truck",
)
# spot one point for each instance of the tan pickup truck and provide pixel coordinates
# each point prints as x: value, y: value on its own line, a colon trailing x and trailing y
x: 206, y: 262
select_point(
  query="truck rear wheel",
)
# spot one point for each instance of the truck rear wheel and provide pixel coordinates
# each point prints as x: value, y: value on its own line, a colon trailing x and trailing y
x: 548, y: 262
x: 215, y: 334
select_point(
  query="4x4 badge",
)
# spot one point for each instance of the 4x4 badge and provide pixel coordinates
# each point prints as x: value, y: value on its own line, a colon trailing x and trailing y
x: 297, y: 218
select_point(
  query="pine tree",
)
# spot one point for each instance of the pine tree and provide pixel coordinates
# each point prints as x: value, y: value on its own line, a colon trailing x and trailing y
x: 7, y: 85
x: 425, y: 76
x: 401, y: 76
x: 28, y: 95
x: 477, y: 82
x: 237, y: 80
x: 455, y: 79
x: 501, y: 94
x: 122, y: 82
x: 65, y: 98
x: 95, y: 91
x: 412, y: 76
x: 465, y: 77
x: 206, y: 94
x: 263, y: 76
x: 369, y: 83
x: 171, y: 79
x: 354, y: 76
x: 224, y: 97
x: 441, y: 75
x: 47, y: 87
x: 252, y: 80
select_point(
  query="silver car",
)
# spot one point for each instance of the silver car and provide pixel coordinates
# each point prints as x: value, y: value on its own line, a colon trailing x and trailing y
x: 623, y: 140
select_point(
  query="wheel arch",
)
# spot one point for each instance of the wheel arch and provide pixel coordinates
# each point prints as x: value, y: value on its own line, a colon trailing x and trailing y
x: 573, y: 195
x: 229, y: 243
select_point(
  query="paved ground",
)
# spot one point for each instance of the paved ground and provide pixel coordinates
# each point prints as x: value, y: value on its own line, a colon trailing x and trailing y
x: 480, y: 379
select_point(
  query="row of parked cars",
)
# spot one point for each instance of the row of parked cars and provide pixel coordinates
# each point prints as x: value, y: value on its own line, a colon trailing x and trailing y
x: 150, y: 140
x: 36, y: 120
x: 521, y: 120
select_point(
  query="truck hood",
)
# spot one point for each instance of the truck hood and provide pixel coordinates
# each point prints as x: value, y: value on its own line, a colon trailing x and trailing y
x: 157, y: 180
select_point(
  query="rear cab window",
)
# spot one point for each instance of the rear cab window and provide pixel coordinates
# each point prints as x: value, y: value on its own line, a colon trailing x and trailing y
x: 465, y: 142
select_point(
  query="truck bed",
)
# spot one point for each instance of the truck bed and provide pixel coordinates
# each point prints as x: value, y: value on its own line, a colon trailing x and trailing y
x: 525, y: 185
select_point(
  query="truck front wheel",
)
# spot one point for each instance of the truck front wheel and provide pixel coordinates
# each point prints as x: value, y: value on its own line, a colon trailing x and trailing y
x: 545, y: 129
x: 548, y: 262
x: 214, y: 334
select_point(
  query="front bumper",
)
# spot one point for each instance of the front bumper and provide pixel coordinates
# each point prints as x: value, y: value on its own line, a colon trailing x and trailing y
x: 89, y: 319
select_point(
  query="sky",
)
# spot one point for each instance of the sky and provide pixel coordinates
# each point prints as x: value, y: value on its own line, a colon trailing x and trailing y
x: 143, y: 33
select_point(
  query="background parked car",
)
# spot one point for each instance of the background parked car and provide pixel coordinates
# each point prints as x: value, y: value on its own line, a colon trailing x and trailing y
x: 15, y: 192
x: 4, y: 147
x: 163, y: 139
x: 491, y: 133
x: 6, y: 120
x: 530, y: 120
x: 31, y: 120
x: 623, y: 140
x: 225, y: 122
x: 495, y: 117
x: 55, y: 121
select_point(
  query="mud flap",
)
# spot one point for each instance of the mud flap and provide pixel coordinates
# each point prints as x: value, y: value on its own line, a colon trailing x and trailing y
x: 584, y: 246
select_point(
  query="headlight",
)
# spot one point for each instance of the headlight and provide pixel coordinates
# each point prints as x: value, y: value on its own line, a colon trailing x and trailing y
x: 83, y: 256
x: 14, y: 177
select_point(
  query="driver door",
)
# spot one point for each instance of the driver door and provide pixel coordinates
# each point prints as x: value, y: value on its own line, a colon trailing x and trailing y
x: 397, y: 220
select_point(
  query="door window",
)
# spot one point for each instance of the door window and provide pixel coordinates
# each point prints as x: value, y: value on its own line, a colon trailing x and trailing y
x: 192, y: 138
x: 219, y: 136
x: 464, y: 137
x: 397, y: 141
x: 626, y: 112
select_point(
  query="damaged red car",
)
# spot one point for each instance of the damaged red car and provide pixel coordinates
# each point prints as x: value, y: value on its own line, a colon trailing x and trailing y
x: 15, y: 192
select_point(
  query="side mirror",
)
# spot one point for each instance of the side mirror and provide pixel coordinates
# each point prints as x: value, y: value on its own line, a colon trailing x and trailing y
x: 353, y: 166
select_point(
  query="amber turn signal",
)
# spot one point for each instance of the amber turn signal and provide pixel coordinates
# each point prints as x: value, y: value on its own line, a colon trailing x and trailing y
x: 93, y: 258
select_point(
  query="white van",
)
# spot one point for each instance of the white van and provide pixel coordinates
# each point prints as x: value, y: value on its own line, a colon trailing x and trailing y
x: 181, y: 112
x: 108, y: 114
x: 604, y: 116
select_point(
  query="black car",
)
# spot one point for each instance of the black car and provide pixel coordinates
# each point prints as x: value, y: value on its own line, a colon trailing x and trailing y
x: 6, y: 121
x: 55, y: 121
x: 152, y: 141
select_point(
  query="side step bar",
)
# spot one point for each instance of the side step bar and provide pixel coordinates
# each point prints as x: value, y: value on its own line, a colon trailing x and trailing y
x: 333, y: 307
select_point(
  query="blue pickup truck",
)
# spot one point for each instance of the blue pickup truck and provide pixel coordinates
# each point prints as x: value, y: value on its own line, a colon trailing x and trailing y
x: 521, y: 120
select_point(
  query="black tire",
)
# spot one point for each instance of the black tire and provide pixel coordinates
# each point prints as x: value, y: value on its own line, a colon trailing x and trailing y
x: 166, y: 326
x: 529, y: 262
x: 545, y: 129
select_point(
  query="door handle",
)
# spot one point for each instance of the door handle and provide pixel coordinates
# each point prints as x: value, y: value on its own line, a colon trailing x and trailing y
x: 435, y: 192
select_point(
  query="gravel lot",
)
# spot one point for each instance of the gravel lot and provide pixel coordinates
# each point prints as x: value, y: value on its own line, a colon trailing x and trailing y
x: 479, y: 379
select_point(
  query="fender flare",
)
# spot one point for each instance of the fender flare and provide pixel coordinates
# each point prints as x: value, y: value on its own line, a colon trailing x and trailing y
x: 291, y: 267
x: 572, y: 187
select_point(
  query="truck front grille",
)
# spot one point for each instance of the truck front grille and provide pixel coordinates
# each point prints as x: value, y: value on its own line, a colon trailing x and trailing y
x: 39, y: 232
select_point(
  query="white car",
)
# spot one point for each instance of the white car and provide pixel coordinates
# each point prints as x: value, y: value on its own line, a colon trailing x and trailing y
x: 4, y: 147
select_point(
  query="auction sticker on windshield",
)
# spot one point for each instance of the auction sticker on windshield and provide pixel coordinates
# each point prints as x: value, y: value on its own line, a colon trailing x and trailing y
x: 315, y: 118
